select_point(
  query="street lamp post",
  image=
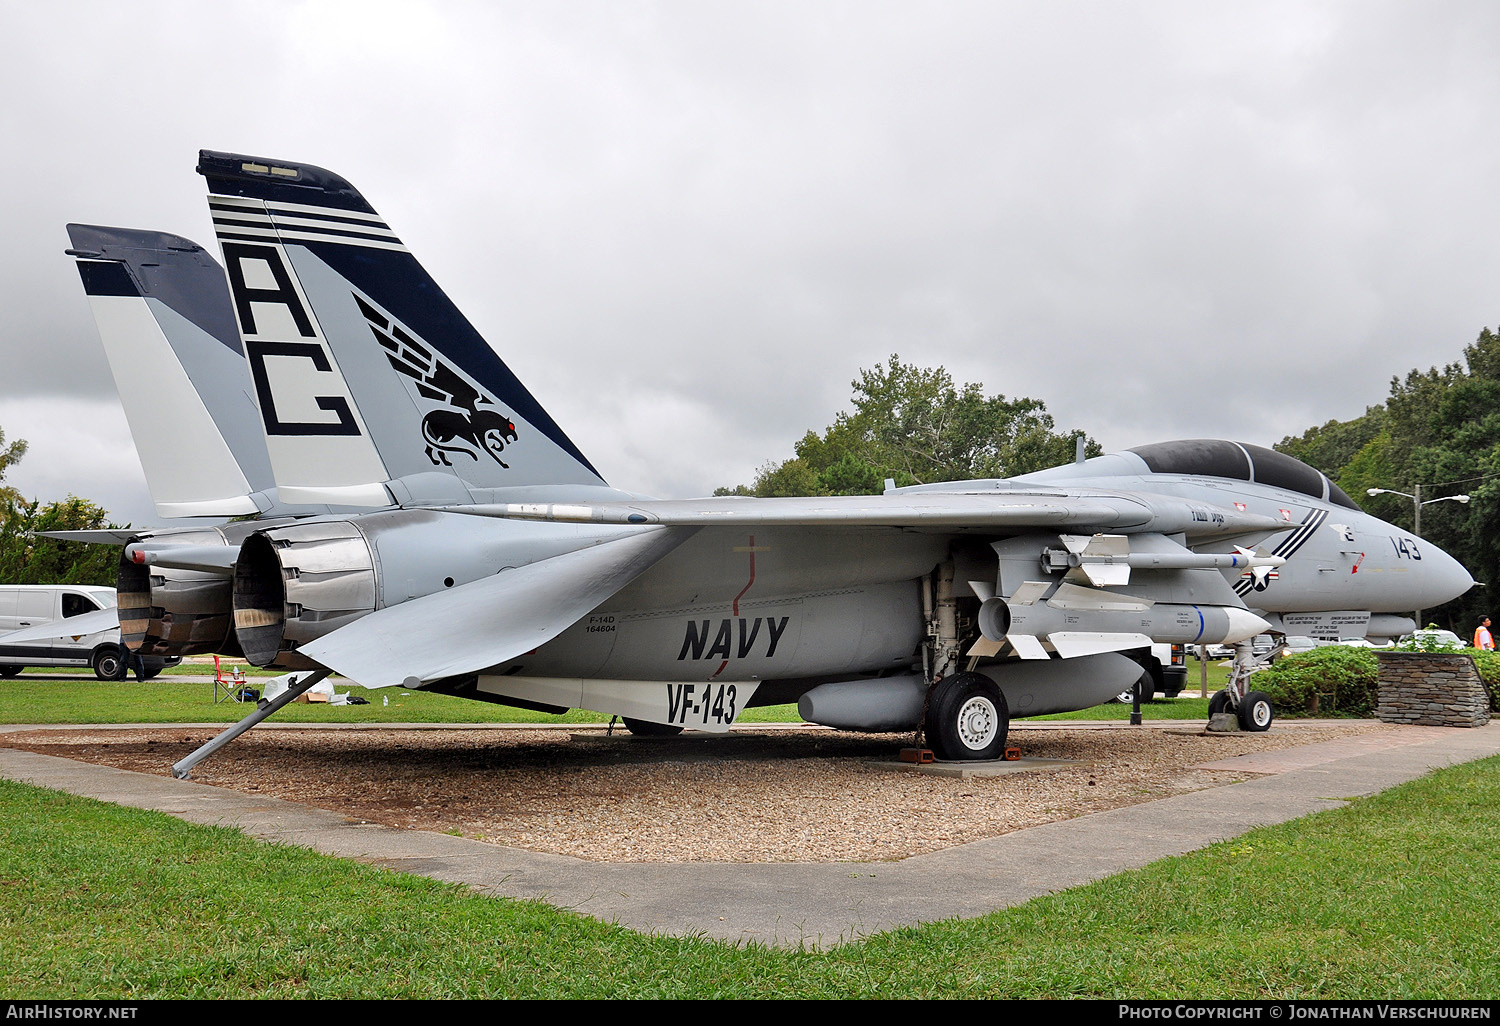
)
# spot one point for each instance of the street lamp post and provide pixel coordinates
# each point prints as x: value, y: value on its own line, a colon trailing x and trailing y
x: 1416, y: 525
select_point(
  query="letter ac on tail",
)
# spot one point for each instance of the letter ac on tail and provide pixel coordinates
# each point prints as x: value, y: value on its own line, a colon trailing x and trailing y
x: 372, y: 386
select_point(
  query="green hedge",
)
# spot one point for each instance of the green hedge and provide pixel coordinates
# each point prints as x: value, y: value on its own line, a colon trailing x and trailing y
x: 1344, y: 680
x: 1489, y: 672
x: 1341, y: 678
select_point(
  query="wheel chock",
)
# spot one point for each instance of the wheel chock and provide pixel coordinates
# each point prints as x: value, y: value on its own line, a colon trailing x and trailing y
x: 920, y: 756
x: 1011, y: 754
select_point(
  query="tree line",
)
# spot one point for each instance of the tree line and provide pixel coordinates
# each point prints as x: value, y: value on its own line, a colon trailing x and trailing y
x: 914, y: 425
x: 1439, y: 430
x: 28, y: 558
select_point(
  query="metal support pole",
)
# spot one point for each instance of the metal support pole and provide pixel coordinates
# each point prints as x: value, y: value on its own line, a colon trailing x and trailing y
x: 263, y: 709
x: 1416, y: 529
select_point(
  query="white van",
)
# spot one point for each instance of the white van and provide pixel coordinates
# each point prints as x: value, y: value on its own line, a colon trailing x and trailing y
x: 29, y: 605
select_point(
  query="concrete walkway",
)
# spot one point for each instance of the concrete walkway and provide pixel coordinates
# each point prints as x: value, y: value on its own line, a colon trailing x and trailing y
x: 816, y: 904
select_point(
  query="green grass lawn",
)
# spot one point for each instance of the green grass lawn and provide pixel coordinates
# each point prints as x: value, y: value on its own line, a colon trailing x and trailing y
x: 1392, y: 897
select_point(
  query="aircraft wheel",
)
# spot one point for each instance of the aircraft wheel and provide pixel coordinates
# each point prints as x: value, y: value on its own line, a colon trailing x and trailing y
x: 106, y: 662
x: 1218, y: 702
x: 967, y: 718
x: 150, y: 673
x: 1255, y: 712
x: 645, y: 728
x: 10, y: 671
x: 1147, y: 687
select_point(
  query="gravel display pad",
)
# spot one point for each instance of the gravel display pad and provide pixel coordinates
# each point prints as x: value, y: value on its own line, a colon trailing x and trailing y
x: 806, y: 795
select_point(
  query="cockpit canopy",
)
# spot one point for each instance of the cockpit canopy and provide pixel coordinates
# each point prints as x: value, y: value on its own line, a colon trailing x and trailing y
x: 1240, y: 461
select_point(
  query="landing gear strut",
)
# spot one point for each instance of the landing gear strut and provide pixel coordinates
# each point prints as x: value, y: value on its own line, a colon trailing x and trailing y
x: 1252, y: 709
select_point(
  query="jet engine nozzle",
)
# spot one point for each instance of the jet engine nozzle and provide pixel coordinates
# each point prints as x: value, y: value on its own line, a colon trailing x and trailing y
x: 166, y: 611
x: 297, y: 583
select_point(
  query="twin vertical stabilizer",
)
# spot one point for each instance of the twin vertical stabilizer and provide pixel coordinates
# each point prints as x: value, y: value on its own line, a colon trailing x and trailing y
x: 163, y: 313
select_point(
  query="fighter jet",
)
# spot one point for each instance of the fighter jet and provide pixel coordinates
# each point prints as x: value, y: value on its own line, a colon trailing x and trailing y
x: 495, y: 563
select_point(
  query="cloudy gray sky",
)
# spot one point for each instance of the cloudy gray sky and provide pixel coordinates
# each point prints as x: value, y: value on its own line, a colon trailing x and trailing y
x: 687, y: 225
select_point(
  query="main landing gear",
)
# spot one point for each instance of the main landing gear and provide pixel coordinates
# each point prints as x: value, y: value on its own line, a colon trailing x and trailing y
x: 967, y: 718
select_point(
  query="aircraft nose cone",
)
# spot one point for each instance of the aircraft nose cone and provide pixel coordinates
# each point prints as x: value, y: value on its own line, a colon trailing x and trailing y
x: 1443, y: 578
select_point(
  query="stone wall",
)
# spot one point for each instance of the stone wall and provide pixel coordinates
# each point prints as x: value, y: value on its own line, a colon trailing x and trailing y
x: 1436, y: 689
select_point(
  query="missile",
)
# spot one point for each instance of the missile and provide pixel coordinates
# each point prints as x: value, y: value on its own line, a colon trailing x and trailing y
x: 1081, y: 621
x: 1105, y: 560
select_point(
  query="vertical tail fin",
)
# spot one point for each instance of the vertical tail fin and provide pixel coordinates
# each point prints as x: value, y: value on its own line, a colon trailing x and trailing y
x: 371, y: 384
x: 163, y: 313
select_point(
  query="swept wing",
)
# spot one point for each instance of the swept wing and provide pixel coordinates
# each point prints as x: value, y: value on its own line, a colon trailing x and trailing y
x: 489, y: 620
x: 1009, y: 511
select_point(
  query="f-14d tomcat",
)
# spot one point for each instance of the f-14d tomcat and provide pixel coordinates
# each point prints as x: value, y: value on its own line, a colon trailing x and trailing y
x: 495, y: 563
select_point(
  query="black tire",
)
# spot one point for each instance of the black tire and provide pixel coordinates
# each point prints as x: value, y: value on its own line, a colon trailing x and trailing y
x: 1147, y: 687
x: 645, y: 728
x: 1172, y: 694
x: 106, y: 662
x: 1218, y: 702
x: 10, y: 671
x: 1255, y: 712
x: 149, y: 673
x: 967, y: 718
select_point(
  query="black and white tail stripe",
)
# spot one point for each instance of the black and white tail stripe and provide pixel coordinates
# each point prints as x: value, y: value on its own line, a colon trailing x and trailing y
x: 263, y: 221
x: 1289, y: 545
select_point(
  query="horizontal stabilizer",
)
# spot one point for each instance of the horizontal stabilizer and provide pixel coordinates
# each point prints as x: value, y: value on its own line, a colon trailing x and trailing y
x: 108, y: 536
x: 487, y: 621
x: 69, y: 627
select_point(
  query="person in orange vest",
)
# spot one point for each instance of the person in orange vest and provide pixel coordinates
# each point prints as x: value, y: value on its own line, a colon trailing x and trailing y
x: 1482, y: 638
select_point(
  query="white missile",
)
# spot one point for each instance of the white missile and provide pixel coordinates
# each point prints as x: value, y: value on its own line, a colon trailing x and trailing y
x: 1106, y: 560
x: 1075, y: 621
